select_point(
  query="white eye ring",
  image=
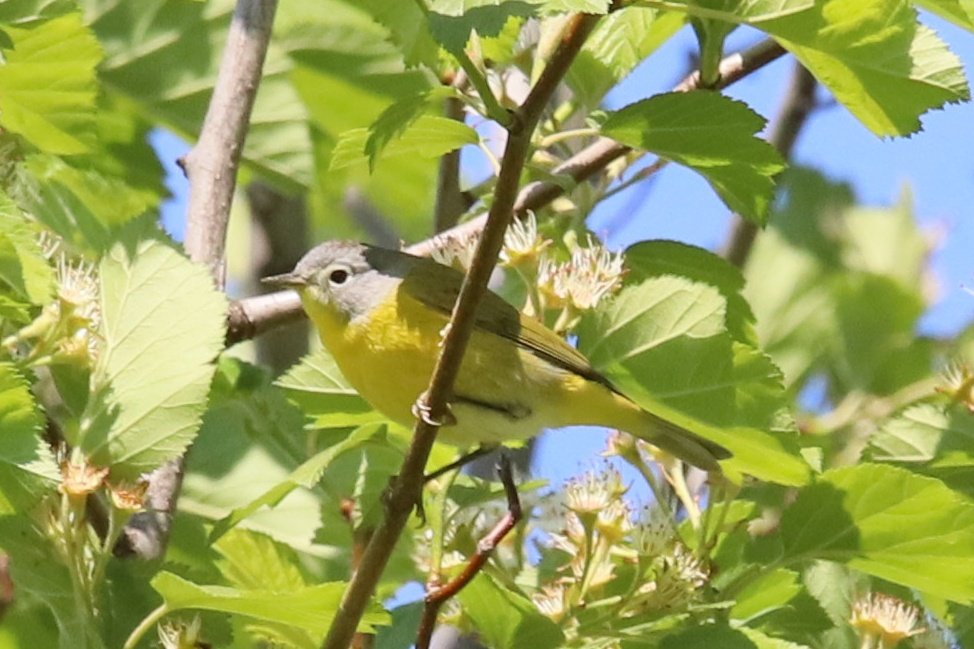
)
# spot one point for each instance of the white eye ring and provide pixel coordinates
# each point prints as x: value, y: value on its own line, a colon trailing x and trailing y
x: 338, y: 276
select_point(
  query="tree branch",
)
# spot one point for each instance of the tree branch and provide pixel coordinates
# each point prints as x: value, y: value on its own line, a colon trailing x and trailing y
x: 436, y: 594
x: 211, y: 167
x: 405, y: 491
x: 792, y: 116
x: 449, y: 199
x: 251, y: 316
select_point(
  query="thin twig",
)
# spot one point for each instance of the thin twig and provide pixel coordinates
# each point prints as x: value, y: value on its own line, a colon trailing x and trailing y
x: 792, y: 116
x: 211, y: 167
x: 436, y: 594
x: 405, y: 491
x: 248, y: 315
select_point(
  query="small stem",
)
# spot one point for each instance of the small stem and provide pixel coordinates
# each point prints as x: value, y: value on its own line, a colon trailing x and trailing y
x: 492, y: 107
x: 492, y: 160
x: 679, y: 483
x: 647, y: 474
x: 438, y: 541
x: 637, y: 177
x: 147, y: 622
x: 438, y: 595
x: 570, y: 134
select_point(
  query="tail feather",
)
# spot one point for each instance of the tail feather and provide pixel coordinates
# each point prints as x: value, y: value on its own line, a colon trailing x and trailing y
x: 684, y: 444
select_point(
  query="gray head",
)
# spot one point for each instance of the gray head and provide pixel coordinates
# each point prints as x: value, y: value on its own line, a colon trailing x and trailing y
x: 351, y: 277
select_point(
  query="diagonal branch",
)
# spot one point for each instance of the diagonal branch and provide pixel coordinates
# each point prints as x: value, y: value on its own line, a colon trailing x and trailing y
x: 252, y: 316
x: 405, y: 492
x: 211, y: 167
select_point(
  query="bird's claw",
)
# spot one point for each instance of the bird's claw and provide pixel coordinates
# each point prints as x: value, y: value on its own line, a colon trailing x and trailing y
x: 422, y: 411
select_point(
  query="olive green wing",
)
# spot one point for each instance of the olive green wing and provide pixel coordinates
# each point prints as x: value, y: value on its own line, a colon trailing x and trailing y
x: 438, y: 286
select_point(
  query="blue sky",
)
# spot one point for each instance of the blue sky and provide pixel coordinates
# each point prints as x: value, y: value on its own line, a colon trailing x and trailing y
x: 937, y: 165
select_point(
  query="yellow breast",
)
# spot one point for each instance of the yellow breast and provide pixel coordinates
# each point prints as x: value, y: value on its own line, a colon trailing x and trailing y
x: 388, y: 355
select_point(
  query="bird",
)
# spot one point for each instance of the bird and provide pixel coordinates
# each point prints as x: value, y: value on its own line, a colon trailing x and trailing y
x: 381, y: 313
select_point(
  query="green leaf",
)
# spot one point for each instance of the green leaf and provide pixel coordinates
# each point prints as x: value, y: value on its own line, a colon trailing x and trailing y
x: 451, y: 22
x: 25, y: 459
x: 22, y: 264
x: 705, y: 636
x: 317, y: 386
x: 146, y: 50
x: 401, y: 633
x: 36, y: 575
x: 664, y: 344
x: 887, y: 522
x: 876, y: 59
x: 163, y: 323
x: 765, y: 595
x: 310, y: 609
x: 346, y: 89
x: 48, y: 85
x: 620, y: 42
x: 936, y: 439
x: 505, y: 619
x: 747, y: 12
x: 408, y: 29
x: 959, y: 12
x: 254, y: 561
x: 428, y: 137
x: 656, y: 258
x: 109, y: 199
x: 397, y: 118
x: 711, y: 134
x: 306, y: 475
x: 837, y: 289
x: 251, y: 440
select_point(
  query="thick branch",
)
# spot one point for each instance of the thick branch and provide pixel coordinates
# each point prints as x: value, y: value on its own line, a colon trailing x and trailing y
x: 792, y: 116
x: 212, y: 164
x: 211, y: 167
x: 407, y: 488
x: 251, y: 316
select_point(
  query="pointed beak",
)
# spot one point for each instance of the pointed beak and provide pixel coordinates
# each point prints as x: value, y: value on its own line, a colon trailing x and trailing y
x: 285, y: 280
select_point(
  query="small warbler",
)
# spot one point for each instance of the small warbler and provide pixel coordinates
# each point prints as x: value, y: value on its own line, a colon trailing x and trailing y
x: 381, y: 314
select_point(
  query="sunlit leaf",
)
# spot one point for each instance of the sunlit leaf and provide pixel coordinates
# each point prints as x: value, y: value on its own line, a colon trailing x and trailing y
x: 163, y: 323
x: 887, y: 522
x: 22, y: 264
x: 428, y: 137
x: 311, y: 608
x: 959, y: 12
x: 876, y: 59
x: 451, y: 23
x: 318, y: 387
x: 619, y: 42
x: 48, y: 86
x: 664, y: 343
x: 305, y: 476
x: 146, y: 52
x: 25, y: 459
x: 506, y: 619
x: 655, y: 258
x: 711, y: 134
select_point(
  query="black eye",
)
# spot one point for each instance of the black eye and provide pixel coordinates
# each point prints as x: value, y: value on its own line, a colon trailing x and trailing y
x: 338, y: 276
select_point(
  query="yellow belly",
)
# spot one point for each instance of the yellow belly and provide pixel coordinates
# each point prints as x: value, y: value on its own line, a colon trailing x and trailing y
x: 388, y: 358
